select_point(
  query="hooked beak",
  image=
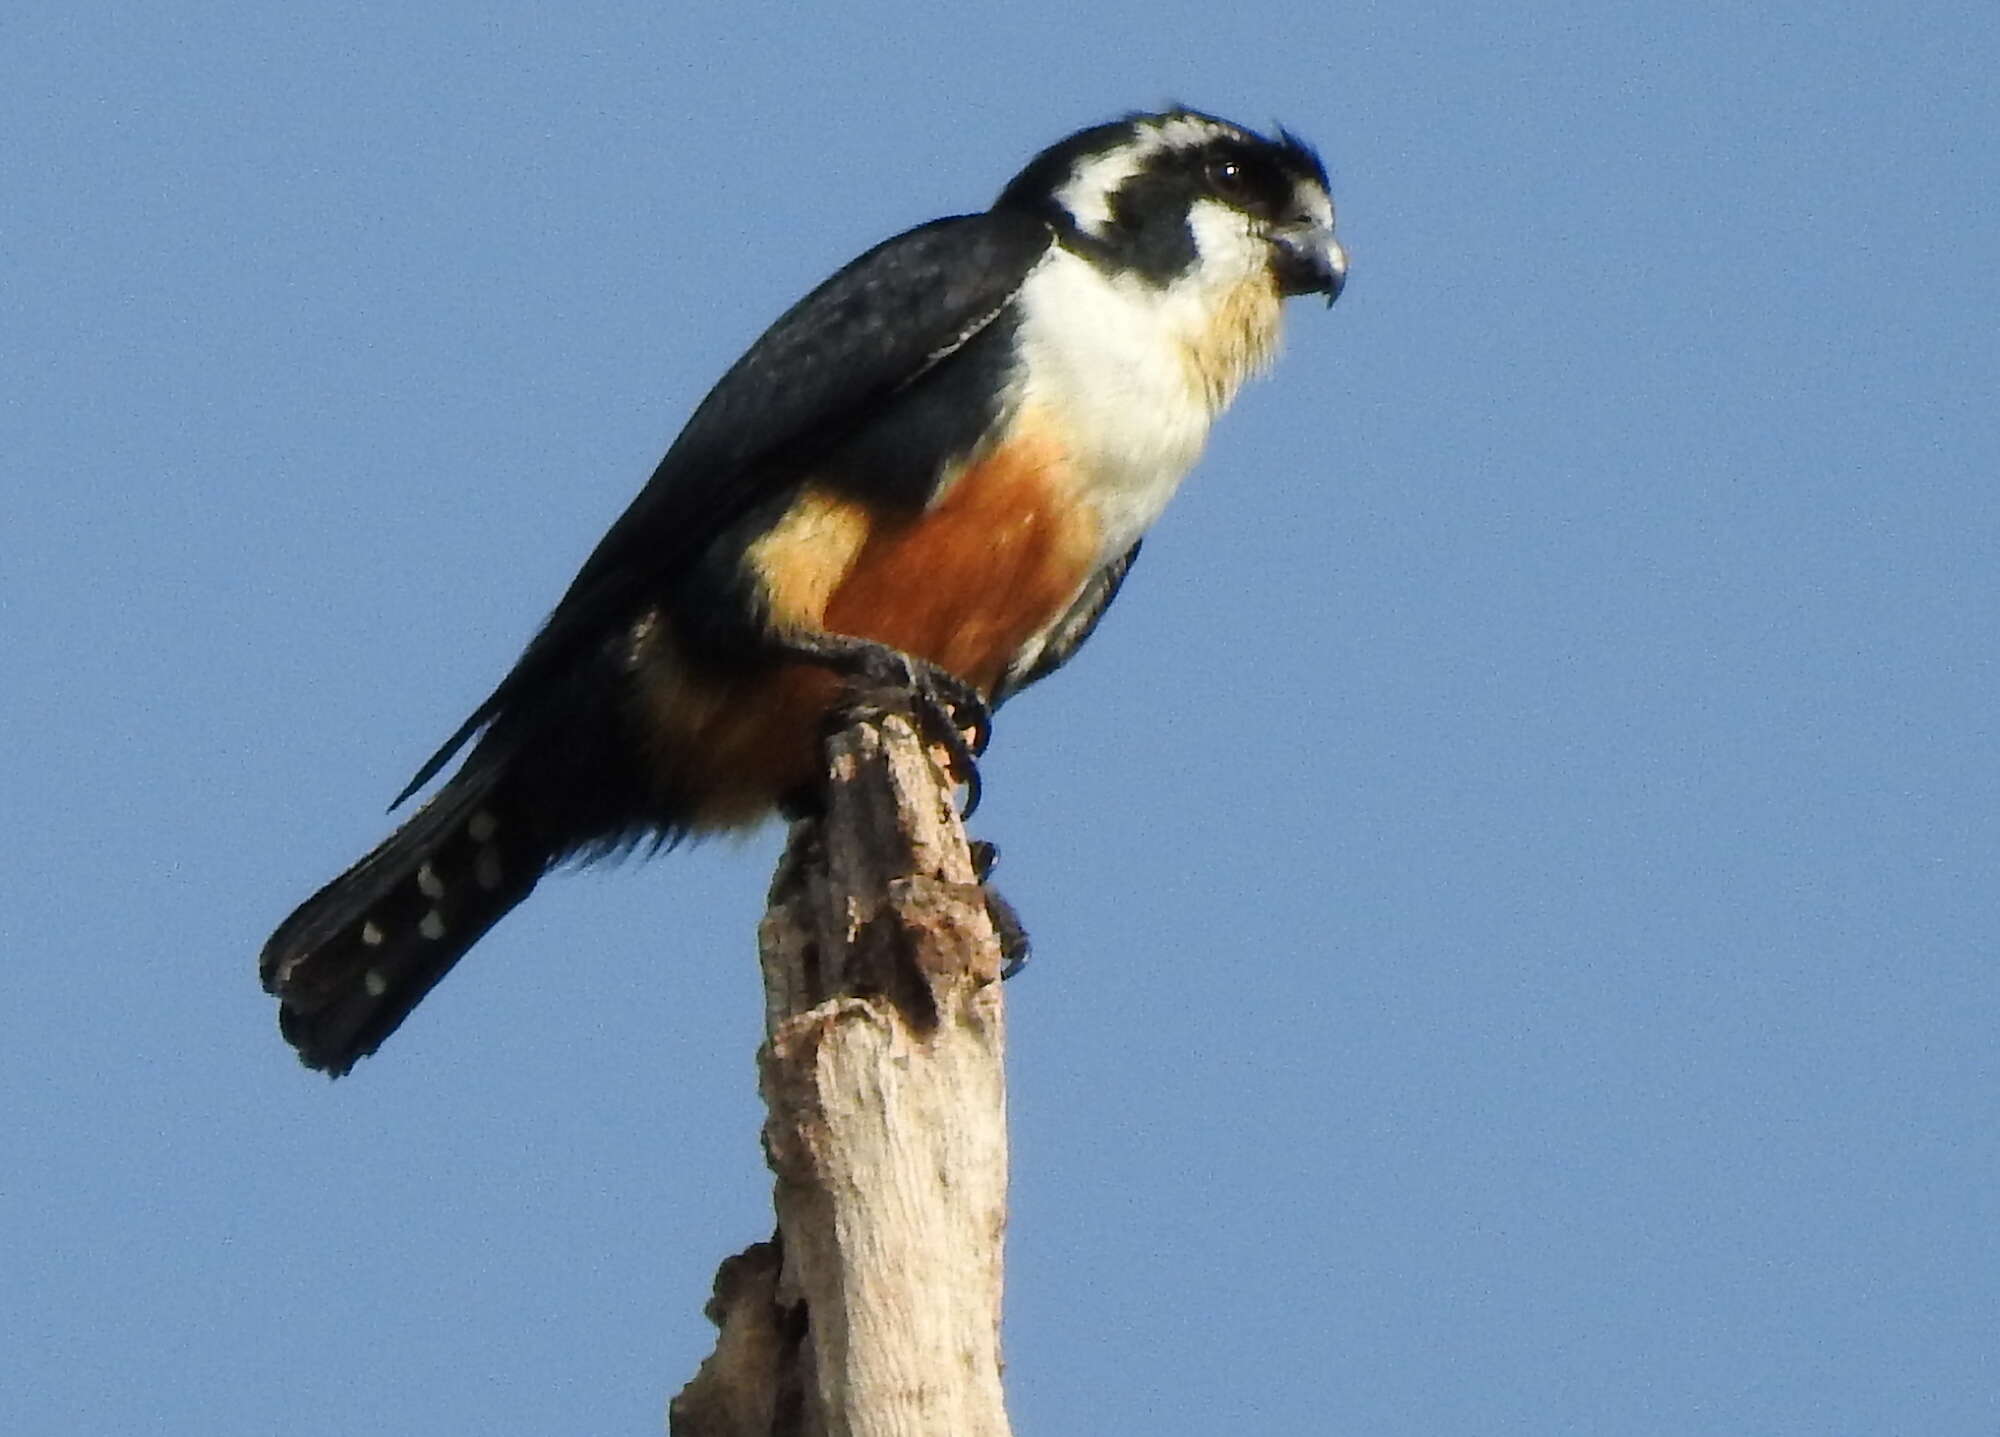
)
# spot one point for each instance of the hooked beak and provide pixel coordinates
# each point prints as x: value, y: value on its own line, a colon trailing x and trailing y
x: 1309, y: 260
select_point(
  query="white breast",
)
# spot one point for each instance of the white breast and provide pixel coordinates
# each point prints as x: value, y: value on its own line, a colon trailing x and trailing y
x: 1119, y: 365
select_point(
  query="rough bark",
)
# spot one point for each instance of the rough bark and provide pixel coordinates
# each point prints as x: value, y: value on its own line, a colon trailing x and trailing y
x: 875, y: 1309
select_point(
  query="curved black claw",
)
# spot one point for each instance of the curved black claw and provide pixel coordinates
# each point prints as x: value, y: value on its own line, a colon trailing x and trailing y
x: 944, y: 730
x: 946, y: 705
x: 969, y: 710
x: 961, y: 706
x: 1015, y: 949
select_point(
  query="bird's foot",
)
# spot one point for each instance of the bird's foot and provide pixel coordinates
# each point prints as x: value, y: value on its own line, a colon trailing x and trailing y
x: 951, y: 711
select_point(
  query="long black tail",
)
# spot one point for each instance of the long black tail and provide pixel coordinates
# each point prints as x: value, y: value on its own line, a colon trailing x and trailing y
x: 357, y: 956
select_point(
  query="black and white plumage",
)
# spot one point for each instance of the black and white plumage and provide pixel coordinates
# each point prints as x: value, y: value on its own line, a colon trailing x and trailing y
x: 938, y: 464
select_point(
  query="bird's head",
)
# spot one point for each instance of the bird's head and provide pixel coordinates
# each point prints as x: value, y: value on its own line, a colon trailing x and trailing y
x: 1165, y: 195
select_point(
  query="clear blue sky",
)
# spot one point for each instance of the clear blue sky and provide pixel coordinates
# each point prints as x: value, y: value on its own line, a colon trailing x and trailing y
x: 1515, y: 877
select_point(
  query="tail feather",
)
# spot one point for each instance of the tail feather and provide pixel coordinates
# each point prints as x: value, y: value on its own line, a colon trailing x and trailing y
x: 352, y: 962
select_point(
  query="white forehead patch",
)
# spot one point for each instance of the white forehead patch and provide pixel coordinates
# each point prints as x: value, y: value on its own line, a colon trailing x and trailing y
x: 1184, y: 132
x: 1313, y: 200
x: 1087, y: 193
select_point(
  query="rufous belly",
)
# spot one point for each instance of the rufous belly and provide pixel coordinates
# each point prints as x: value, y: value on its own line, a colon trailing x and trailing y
x: 965, y: 584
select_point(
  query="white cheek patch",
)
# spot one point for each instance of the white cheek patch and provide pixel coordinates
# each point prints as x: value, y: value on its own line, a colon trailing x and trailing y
x: 1228, y: 246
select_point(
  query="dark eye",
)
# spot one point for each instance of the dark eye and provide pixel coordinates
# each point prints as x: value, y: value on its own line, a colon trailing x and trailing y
x: 1229, y: 179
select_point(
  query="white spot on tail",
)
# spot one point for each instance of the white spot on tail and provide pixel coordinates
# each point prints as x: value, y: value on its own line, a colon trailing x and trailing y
x: 371, y: 934
x: 483, y: 826
x: 428, y: 883
x: 486, y: 868
x: 432, y: 925
x: 374, y: 981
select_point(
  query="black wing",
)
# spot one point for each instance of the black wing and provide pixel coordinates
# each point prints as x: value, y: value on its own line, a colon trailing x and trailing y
x: 821, y: 370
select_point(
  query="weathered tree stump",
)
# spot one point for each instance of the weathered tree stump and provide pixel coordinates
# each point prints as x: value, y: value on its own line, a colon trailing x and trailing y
x: 875, y: 1308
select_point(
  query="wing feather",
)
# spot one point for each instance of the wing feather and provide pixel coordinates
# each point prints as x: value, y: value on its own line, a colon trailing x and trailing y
x: 816, y: 375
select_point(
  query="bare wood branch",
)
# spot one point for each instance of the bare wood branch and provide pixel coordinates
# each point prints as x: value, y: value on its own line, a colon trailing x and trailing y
x: 876, y: 1308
